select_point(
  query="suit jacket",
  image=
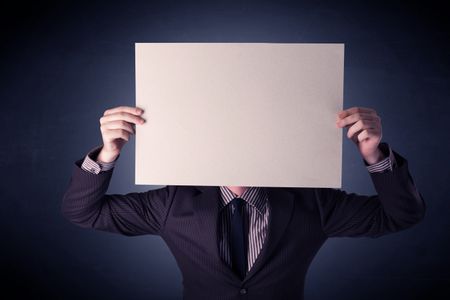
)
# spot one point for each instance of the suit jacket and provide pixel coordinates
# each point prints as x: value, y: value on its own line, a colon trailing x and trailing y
x: 301, y: 220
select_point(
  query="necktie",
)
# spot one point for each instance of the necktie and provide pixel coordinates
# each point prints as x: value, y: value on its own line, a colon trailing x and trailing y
x: 238, y: 238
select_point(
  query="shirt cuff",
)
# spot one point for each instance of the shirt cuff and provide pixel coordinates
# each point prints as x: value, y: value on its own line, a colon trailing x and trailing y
x: 387, y: 163
x: 92, y: 165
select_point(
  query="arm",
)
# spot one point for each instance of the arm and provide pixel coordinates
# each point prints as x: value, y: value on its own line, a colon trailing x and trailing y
x: 92, y: 164
x: 86, y: 204
x: 398, y: 205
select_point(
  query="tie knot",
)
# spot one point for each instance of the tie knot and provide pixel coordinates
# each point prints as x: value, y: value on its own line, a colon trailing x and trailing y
x: 237, y: 203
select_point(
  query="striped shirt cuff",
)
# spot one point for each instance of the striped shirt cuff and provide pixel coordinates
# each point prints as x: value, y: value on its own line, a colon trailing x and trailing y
x: 92, y: 165
x: 386, y: 164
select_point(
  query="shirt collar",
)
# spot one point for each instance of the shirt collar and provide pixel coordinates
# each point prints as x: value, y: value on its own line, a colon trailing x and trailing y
x: 256, y: 196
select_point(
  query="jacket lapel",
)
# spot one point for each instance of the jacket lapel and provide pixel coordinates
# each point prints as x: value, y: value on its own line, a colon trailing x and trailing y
x: 281, y: 206
x: 206, y: 205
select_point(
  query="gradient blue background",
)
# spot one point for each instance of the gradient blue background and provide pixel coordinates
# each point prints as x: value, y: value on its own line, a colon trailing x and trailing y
x: 63, y: 64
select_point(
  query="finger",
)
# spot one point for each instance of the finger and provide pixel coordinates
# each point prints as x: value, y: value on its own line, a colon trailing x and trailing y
x: 127, y: 109
x: 355, y: 118
x: 367, y: 134
x: 360, y: 125
x: 352, y: 110
x: 355, y: 109
x: 122, y: 116
x: 118, y: 125
x: 112, y: 134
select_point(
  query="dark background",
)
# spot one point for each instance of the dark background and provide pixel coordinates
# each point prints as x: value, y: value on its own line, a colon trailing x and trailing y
x: 63, y: 63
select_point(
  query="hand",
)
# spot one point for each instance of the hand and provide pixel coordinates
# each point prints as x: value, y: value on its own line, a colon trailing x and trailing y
x: 116, y: 126
x: 364, y: 129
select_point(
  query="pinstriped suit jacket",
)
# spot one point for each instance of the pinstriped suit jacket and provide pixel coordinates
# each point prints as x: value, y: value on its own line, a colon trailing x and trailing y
x: 301, y: 220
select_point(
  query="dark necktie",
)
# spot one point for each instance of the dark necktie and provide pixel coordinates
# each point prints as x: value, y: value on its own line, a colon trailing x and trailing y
x: 238, y: 238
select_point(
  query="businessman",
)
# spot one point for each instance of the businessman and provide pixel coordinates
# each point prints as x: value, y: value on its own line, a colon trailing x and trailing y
x: 233, y: 242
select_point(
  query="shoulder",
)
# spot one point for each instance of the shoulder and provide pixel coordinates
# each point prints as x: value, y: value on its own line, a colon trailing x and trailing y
x: 174, y: 191
x: 296, y: 192
x: 302, y: 196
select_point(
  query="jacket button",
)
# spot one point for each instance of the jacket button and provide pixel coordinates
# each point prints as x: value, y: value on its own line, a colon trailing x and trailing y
x: 243, y: 291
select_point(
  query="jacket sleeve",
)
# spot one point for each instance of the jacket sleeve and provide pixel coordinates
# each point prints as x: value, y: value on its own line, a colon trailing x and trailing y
x: 398, y: 205
x: 86, y: 204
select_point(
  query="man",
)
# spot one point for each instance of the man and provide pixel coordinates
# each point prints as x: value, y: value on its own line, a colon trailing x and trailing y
x: 245, y: 242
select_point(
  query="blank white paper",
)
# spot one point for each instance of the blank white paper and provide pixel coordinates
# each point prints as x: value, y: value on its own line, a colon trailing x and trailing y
x: 239, y: 114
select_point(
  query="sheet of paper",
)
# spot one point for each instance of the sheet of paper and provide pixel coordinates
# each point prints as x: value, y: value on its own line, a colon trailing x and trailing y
x: 239, y: 114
